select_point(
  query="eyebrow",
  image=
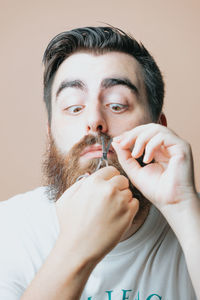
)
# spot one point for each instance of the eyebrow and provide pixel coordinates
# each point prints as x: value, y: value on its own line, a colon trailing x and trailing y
x: 105, y: 84
x: 109, y: 82
x: 70, y: 84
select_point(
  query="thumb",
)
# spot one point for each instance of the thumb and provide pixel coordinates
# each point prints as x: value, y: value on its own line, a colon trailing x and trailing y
x: 70, y: 191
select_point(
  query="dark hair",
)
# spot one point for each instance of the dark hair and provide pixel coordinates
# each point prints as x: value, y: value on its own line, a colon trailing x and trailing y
x: 99, y: 40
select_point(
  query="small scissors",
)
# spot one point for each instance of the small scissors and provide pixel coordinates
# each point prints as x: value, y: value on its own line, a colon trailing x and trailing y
x: 102, y: 159
x: 105, y: 150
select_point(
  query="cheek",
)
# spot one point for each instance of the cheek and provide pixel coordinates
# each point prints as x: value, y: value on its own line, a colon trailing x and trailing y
x: 128, y: 122
x: 65, y: 134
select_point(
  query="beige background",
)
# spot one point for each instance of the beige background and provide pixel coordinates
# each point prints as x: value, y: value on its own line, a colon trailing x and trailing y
x: 169, y: 29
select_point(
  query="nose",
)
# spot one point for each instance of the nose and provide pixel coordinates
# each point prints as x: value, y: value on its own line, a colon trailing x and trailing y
x: 96, y: 121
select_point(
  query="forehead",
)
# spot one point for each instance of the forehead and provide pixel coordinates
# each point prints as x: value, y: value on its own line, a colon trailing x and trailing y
x: 92, y: 68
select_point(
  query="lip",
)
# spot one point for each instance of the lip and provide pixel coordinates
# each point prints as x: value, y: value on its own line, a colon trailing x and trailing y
x: 95, y: 150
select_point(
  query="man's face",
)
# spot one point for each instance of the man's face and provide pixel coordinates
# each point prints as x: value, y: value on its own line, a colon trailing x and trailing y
x: 92, y: 96
x: 87, y: 97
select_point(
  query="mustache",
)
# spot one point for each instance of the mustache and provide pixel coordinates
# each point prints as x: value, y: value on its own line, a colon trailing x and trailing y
x: 89, y: 140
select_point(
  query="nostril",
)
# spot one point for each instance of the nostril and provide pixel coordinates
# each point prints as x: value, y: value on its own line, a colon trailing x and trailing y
x: 100, y: 127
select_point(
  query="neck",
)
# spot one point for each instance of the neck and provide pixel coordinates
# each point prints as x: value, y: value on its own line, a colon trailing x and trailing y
x: 138, y: 221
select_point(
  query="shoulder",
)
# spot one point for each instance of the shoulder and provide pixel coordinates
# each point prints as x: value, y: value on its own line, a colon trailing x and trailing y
x: 36, y: 193
x: 29, y: 218
x: 26, y: 208
x: 24, y: 201
x: 27, y: 232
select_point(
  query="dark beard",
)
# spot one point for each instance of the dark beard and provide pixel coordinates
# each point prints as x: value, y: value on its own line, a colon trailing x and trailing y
x: 61, y: 171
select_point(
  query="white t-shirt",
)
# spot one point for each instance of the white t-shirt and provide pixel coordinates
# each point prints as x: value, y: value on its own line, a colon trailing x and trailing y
x: 148, y: 266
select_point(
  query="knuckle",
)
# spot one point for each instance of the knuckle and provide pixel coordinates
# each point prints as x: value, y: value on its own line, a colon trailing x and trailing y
x: 115, y: 171
x: 112, y: 168
x: 140, y: 138
x: 135, y: 206
x: 124, y: 180
x: 129, y: 194
x: 160, y: 129
x: 187, y: 146
x: 110, y: 190
x: 154, y: 125
x: 159, y: 135
x: 93, y: 179
x: 184, y: 147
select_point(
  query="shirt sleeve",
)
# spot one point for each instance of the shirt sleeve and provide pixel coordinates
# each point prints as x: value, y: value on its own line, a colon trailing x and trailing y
x: 11, y: 262
x: 28, y: 231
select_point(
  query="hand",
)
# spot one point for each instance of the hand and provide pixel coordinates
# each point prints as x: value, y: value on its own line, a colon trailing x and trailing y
x: 167, y: 181
x: 168, y: 177
x: 96, y: 211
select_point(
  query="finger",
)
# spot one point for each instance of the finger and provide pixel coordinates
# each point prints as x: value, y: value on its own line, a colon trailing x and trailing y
x: 106, y: 173
x: 120, y: 181
x: 139, y: 136
x: 155, y: 143
x: 168, y: 143
x: 124, y: 137
x: 126, y: 160
x: 133, y: 207
x: 142, y: 139
x: 126, y: 194
x: 127, y: 139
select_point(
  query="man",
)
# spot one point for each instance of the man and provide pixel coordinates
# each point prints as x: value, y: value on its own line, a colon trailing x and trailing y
x: 99, y: 228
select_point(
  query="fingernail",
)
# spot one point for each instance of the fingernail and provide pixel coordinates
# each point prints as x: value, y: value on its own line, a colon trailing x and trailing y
x: 145, y: 159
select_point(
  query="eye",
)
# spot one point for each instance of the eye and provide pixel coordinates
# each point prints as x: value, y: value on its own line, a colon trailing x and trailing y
x: 74, y: 109
x: 116, y: 107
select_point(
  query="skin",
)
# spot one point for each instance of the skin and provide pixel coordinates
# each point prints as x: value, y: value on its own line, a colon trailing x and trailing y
x: 95, y: 106
x: 169, y: 179
x: 95, y: 101
x: 169, y: 183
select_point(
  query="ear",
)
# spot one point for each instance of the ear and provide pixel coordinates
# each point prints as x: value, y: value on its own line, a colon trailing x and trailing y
x: 162, y: 120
